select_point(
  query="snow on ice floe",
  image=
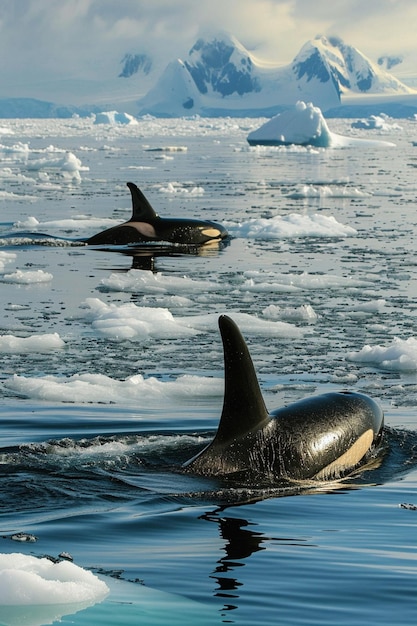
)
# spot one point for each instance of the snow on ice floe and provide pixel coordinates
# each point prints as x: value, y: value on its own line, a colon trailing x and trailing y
x: 289, y: 226
x: 36, y: 591
x: 91, y: 388
x: 11, y: 344
x: 400, y: 355
x: 303, y: 125
x: 135, y: 323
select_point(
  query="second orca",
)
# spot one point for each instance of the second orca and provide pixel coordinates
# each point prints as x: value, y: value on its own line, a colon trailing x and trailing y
x: 322, y: 437
x: 145, y: 225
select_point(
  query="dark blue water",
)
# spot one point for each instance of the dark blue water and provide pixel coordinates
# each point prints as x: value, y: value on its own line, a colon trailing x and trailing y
x: 90, y: 466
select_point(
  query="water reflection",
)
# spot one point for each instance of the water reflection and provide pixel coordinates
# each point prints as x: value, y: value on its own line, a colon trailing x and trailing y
x: 144, y: 256
x: 240, y: 542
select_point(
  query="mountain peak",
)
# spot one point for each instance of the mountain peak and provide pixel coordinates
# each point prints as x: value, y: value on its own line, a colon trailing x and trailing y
x: 351, y: 71
x: 134, y: 63
x: 222, y: 65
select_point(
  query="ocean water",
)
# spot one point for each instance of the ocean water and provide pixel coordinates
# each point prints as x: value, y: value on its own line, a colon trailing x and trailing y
x: 112, y: 369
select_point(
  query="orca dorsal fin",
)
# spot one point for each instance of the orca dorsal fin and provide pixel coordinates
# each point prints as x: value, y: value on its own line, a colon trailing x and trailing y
x: 243, y: 406
x: 142, y: 211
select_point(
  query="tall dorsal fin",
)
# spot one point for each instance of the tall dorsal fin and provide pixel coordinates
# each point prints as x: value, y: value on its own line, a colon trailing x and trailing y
x: 243, y: 406
x: 141, y: 209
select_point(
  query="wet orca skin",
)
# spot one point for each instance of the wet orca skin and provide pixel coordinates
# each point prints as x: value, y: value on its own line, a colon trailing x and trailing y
x: 320, y: 437
x: 145, y: 225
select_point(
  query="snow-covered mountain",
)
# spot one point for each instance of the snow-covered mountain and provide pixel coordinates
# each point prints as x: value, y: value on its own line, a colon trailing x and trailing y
x: 221, y: 77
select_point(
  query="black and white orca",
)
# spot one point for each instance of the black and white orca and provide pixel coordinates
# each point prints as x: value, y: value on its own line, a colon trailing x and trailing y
x: 145, y: 225
x: 322, y: 437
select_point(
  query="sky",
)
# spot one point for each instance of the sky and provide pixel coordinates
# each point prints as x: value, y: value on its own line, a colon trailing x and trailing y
x: 47, y: 40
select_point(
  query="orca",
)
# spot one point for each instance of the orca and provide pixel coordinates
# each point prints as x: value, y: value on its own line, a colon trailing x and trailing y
x: 145, y: 225
x: 323, y: 437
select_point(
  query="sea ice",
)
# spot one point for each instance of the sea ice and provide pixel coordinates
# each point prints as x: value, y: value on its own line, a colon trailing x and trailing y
x: 288, y: 226
x: 27, y: 277
x: 114, y: 117
x: 377, y: 122
x: 35, y: 343
x: 400, y: 355
x: 30, y: 580
x: 86, y: 388
x: 136, y: 323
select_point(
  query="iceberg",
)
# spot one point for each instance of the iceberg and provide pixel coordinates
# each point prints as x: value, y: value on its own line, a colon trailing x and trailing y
x: 304, y: 125
x: 114, y: 117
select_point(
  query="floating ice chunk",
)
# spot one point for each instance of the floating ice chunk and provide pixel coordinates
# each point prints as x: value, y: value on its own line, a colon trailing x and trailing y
x: 304, y: 313
x: 401, y: 355
x: 303, y: 125
x: 114, y: 117
x: 27, y: 277
x: 72, y: 223
x: 68, y: 166
x: 135, y: 323
x: 324, y: 191
x: 261, y: 281
x: 289, y: 226
x: 29, y: 580
x: 36, y: 343
x: 6, y: 257
x: 146, y: 282
x: 377, y: 122
x: 249, y: 324
x: 82, y: 388
x: 30, y: 222
x: 19, y: 151
x: 177, y: 188
x: 36, y: 591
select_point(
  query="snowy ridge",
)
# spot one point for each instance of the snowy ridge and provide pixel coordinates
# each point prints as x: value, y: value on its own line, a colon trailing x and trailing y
x: 221, y: 77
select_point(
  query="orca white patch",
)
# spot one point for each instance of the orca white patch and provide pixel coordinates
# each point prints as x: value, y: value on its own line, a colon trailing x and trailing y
x: 145, y: 229
x: 350, y: 458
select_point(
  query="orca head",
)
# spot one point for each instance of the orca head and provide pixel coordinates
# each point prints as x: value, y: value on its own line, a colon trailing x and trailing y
x: 142, y: 211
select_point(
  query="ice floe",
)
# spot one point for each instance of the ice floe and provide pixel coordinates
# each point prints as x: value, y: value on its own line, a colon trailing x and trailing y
x: 114, y: 117
x: 92, y: 388
x: 26, y: 277
x: 289, y: 226
x: 137, y: 323
x: 11, y: 344
x: 377, y: 122
x: 400, y: 355
x: 37, y: 591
